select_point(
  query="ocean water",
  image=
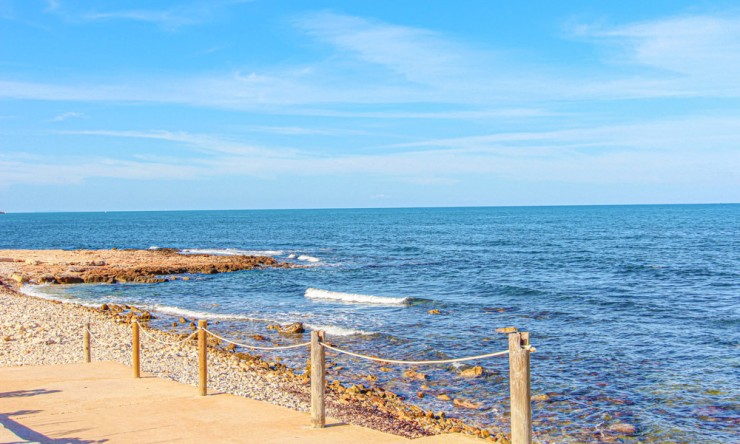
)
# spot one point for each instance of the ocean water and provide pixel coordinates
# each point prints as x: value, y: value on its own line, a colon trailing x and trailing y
x: 634, y: 310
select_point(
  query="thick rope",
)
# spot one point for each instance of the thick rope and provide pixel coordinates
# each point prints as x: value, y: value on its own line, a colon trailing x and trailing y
x: 254, y: 347
x: 177, y: 342
x: 106, y: 344
x: 395, y: 361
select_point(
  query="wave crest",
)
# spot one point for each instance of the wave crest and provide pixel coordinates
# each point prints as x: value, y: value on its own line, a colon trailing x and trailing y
x: 230, y: 252
x: 315, y: 293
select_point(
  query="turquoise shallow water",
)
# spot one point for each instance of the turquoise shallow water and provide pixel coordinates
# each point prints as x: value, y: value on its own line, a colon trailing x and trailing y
x: 634, y: 310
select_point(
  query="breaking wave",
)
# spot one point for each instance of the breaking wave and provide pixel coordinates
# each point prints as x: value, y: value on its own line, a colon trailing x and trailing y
x: 332, y: 330
x: 231, y: 252
x: 307, y: 258
x: 315, y: 293
x: 177, y: 311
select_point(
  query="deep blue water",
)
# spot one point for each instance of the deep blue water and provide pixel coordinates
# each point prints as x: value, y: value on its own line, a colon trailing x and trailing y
x: 634, y: 310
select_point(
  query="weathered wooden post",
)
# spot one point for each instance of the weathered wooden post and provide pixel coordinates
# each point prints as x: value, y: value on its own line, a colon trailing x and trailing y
x: 202, y: 359
x: 318, y: 380
x: 86, y: 342
x: 521, y: 407
x: 135, y: 349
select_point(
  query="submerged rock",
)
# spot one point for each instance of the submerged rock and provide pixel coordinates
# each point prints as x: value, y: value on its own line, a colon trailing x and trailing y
x: 623, y: 428
x: 472, y: 372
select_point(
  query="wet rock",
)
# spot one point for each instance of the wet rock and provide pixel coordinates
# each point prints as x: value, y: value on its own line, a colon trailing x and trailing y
x: 540, y: 398
x: 69, y: 279
x: 258, y: 337
x: 464, y: 403
x: 46, y: 279
x: 413, y: 374
x: 507, y: 330
x: 185, y: 278
x: 230, y: 347
x: 290, y: 329
x: 19, y: 278
x: 433, y: 312
x: 420, y: 394
x: 182, y: 321
x: 623, y: 428
x: 443, y: 397
x: 472, y: 372
x: 7, y: 338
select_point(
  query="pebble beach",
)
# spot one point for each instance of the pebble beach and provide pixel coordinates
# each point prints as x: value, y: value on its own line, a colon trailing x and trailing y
x: 37, y: 331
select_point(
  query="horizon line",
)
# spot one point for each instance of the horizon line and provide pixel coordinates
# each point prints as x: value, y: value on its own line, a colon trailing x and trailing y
x: 375, y: 208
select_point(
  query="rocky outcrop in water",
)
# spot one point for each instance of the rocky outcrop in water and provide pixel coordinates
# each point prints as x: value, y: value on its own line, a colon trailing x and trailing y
x: 120, y: 266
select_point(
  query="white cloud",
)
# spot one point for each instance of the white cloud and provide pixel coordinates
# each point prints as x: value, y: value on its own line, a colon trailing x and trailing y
x: 66, y: 116
x: 689, y: 55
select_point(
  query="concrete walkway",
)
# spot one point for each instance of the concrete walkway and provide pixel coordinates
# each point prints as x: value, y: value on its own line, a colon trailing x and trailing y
x: 102, y: 403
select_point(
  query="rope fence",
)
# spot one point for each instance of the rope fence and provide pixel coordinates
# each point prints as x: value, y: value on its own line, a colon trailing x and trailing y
x: 396, y: 361
x: 255, y: 347
x: 518, y: 352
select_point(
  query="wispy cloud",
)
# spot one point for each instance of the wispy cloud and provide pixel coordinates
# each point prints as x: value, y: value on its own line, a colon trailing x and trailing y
x: 688, y: 55
x: 66, y: 116
x: 171, y: 18
x: 198, y: 142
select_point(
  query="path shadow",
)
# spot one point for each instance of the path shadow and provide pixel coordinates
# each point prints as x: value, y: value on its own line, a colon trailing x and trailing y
x: 25, y: 393
x: 27, y: 434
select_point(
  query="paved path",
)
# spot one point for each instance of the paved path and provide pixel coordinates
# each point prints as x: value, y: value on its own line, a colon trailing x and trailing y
x: 102, y: 403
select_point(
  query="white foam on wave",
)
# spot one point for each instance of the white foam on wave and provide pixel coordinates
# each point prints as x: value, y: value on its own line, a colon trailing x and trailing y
x: 291, y: 256
x: 35, y: 291
x: 315, y: 293
x: 307, y: 258
x: 231, y: 252
x: 178, y: 311
x: 333, y: 330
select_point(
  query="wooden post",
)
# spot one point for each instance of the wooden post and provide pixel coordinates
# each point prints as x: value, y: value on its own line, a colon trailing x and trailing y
x: 521, y: 407
x: 135, y: 349
x: 86, y: 342
x: 318, y: 380
x: 202, y: 359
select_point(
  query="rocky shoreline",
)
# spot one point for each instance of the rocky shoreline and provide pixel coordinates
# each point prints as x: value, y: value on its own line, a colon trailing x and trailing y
x: 40, y: 332
x: 120, y: 266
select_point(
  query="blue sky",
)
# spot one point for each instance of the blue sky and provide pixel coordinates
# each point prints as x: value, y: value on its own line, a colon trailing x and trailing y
x: 140, y: 105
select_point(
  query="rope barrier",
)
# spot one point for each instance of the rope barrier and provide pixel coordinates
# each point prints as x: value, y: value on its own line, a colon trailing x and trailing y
x: 106, y: 344
x: 396, y: 361
x: 254, y: 347
x: 176, y: 342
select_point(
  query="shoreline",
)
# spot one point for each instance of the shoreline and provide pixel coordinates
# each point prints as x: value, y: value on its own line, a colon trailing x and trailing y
x: 46, y: 331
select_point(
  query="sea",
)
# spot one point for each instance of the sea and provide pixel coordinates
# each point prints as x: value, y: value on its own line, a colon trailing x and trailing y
x: 634, y: 311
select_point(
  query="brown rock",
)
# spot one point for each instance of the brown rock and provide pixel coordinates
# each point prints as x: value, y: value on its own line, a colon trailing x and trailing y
x: 507, y: 330
x: 19, y: 278
x: 46, y: 279
x: 7, y: 338
x: 420, y: 394
x: 182, y: 321
x: 433, y: 312
x: 413, y: 374
x: 69, y: 279
x: 185, y: 278
x: 623, y: 428
x: 472, y: 372
x: 258, y: 337
x: 443, y: 397
x: 540, y: 398
x: 291, y: 329
x: 464, y: 403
